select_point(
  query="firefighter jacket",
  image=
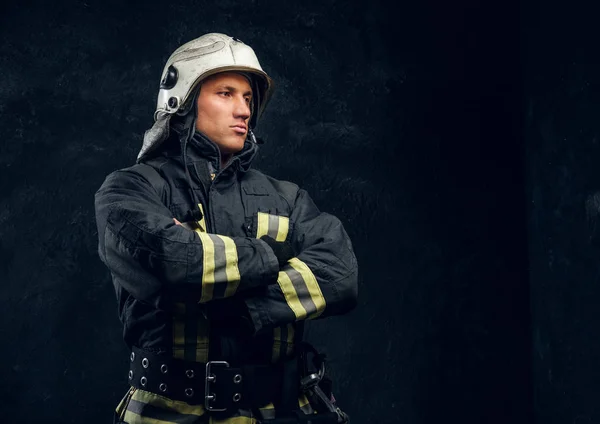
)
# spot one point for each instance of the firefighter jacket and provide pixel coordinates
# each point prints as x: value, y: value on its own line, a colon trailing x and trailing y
x: 168, y: 278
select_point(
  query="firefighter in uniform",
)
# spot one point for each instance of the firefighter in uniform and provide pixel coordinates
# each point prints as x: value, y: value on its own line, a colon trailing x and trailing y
x: 215, y: 265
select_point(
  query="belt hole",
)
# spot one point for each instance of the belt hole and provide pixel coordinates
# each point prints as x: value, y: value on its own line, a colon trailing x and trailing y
x: 130, y: 375
x: 189, y: 392
x: 143, y: 381
x: 237, y: 397
x: 163, y: 387
x: 145, y: 363
x: 237, y: 379
x: 189, y: 373
x: 164, y: 368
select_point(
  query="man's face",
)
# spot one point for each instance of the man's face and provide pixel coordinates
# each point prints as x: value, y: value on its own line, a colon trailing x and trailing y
x: 224, y: 110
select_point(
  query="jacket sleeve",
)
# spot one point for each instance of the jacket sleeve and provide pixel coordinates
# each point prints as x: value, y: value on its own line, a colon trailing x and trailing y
x: 319, y: 282
x: 148, y: 254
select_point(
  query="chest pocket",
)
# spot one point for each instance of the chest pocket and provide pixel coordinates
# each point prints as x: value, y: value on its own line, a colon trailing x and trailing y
x: 267, y: 214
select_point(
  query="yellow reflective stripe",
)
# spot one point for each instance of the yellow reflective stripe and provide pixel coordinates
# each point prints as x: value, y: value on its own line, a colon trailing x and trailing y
x: 220, y: 265
x: 305, y: 405
x: 311, y: 284
x: 202, y: 222
x: 121, y: 407
x: 158, y: 401
x: 291, y: 297
x: 231, y: 268
x: 274, y: 225
x: 282, y: 229
x: 178, y: 330
x: 208, y: 271
x: 263, y: 225
x: 133, y: 418
x: 279, y: 342
x: 202, y: 335
x: 267, y: 407
x: 302, y: 401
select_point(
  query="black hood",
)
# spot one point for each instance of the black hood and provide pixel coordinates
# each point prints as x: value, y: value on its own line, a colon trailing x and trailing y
x: 200, y: 146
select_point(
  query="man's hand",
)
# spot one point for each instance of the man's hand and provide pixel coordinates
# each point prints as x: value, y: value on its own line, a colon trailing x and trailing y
x: 187, y: 225
x: 282, y: 249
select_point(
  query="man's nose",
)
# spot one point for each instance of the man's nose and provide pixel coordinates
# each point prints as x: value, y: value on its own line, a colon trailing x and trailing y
x: 242, y: 109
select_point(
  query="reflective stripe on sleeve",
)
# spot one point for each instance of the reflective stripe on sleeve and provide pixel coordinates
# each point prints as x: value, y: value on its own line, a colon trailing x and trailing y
x: 282, y: 228
x: 274, y: 226
x: 301, y: 290
x: 220, y: 261
x: 291, y: 297
x: 232, y: 271
x: 262, y: 228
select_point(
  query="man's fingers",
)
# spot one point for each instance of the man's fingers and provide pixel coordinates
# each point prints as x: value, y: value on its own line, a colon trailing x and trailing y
x: 177, y: 222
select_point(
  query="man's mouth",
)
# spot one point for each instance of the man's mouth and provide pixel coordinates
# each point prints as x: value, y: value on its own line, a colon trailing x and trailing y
x: 240, y: 128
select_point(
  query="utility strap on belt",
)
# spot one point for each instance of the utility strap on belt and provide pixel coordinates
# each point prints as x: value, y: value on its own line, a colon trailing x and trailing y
x: 215, y: 384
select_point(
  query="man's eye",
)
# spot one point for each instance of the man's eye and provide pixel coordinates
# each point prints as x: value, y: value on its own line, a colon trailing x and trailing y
x: 224, y: 93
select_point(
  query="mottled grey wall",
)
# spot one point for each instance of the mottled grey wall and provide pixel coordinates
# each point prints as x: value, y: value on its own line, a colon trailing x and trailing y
x: 404, y: 120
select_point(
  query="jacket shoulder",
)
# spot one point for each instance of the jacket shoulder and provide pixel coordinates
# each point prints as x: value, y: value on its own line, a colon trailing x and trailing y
x: 148, y: 171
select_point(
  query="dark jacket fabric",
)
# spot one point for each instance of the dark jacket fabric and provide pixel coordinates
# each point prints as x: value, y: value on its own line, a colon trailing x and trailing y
x: 212, y: 289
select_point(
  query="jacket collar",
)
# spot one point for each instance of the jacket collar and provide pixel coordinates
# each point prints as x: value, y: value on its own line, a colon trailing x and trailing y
x: 201, y: 147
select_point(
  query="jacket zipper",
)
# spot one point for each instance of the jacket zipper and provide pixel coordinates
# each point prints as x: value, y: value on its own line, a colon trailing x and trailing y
x: 213, y: 176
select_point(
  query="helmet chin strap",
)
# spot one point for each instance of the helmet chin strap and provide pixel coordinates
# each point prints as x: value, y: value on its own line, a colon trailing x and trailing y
x: 185, y: 134
x: 252, y: 137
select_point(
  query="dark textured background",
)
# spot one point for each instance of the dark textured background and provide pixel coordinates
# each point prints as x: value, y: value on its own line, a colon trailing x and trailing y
x: 563, y: 154
x: 404, y: 121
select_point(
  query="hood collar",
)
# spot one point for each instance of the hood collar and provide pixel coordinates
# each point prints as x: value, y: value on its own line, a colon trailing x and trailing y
x: 200, y: 146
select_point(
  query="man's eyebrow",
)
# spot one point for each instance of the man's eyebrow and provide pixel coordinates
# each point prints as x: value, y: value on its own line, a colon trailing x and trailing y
x: 230, y: 88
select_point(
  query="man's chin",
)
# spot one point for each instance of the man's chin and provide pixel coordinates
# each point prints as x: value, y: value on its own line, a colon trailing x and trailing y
x: 233, y: 147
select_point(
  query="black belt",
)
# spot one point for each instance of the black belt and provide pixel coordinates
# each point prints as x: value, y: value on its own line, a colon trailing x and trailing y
x: 215, y: 384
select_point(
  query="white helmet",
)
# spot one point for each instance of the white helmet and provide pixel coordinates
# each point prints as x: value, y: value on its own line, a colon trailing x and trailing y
x: 207, y: 55
x: 189, y: 65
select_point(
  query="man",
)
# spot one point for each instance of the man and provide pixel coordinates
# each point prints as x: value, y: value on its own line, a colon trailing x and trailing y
x: 216, y: 265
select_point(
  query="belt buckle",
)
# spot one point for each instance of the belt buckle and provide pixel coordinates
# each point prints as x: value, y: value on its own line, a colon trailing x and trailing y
x: 208, y: 379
